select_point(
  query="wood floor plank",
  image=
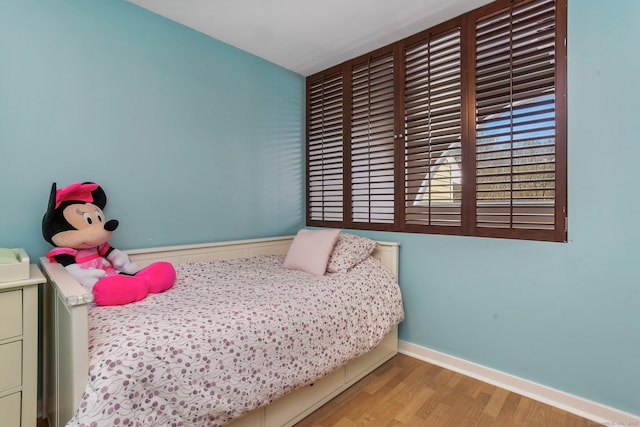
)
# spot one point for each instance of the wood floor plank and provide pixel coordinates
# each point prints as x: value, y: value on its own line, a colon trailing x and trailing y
x: 382, y: 380
x: 438, y: 418
x: 498, y: 397
x: 407, y: 392
x: 343, y: 422
x: 410, y: 406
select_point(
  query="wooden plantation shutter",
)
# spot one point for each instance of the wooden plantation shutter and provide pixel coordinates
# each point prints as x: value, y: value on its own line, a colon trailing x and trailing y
x: 433, y: 131
x: 372, y: 140
x: 325, y: 166
x: 515, y: 121
x: 459, y: 129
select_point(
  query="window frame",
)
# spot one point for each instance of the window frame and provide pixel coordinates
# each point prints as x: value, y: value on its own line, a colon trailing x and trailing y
x: 469, y: 204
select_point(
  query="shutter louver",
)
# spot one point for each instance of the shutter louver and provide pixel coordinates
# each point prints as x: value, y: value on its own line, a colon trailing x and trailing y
x: 433, y: 129
x: 515, y: 129
x: 372, y: 141
x: 324, y: 150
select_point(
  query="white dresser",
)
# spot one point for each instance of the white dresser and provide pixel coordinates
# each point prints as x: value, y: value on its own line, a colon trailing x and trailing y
x: 19, y: 350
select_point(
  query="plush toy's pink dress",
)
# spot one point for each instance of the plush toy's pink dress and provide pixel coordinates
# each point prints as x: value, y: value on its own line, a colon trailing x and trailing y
x: 87, y: 258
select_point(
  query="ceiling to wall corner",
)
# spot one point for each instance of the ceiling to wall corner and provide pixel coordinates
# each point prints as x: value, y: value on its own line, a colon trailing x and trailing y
x: 308, y: 36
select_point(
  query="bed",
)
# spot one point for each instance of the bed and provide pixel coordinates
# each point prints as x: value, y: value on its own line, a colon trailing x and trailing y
x: 81, y: 345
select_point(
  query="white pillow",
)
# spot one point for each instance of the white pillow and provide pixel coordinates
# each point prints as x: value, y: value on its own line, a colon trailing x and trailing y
x: 310, y: 251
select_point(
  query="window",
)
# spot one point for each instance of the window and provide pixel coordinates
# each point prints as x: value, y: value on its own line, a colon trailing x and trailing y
x: 460, y: 129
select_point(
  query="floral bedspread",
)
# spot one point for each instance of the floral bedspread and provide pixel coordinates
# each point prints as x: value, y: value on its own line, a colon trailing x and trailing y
x: 229, y: 337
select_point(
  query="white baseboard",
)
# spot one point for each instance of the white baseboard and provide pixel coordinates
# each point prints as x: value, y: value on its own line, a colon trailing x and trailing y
x: 590, y: 410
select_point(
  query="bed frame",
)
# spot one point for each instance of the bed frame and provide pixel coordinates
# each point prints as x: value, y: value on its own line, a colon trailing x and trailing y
x: 66, y: 337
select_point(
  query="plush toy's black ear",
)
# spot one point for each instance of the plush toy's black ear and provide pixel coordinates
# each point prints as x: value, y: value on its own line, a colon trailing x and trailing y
x: 49, y: 215
x: 99, y: 196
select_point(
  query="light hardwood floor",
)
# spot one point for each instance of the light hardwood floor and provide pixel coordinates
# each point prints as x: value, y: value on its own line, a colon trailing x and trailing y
x: 409, y: 392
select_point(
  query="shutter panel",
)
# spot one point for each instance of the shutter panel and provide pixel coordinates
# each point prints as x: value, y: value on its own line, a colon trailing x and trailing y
x: 372, y: 141
x: 324, y: 149
x: 433, y: 130
x: 515, y: 128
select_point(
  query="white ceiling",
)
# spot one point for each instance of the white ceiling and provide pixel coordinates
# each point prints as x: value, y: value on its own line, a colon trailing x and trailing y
x: 308, y: 36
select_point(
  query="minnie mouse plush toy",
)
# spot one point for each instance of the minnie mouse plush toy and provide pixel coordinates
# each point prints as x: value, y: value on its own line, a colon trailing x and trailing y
x: 75, y: 224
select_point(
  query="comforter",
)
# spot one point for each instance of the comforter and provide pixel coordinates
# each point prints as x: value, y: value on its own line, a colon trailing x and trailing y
x: 229, y: 337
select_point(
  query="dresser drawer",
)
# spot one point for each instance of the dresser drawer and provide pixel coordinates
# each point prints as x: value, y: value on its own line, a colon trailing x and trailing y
x: 10, y: 314
x: 11, y: 366
x: 10, y: 409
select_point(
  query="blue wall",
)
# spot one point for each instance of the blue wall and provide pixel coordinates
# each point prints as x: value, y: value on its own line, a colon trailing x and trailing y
x: 192, y: 139
x: 197, y: 141
x: 566, y: 315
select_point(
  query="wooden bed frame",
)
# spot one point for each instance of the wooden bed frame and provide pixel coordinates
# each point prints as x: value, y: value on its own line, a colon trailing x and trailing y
x: 66, y: 335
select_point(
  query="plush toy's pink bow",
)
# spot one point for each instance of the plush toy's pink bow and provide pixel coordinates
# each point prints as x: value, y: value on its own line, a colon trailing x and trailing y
x: 76, y: 191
